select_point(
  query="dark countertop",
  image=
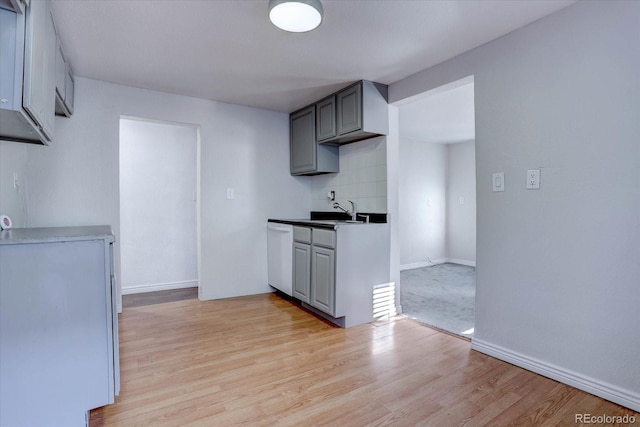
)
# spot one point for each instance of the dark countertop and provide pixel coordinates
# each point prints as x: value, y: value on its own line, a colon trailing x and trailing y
x: 332, y: 225
x: 332, y: 220
x: 374, y: 218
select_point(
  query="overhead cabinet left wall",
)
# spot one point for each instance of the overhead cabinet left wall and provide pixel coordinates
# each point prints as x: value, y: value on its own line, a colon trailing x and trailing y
x: 28, y: 46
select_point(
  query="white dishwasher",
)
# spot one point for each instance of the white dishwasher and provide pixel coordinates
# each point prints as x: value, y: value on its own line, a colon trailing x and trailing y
x: 280, y: 256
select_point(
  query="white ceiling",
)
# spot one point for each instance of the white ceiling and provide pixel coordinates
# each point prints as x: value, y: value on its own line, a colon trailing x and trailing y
x: 227, y: 50
x: 443, y: 117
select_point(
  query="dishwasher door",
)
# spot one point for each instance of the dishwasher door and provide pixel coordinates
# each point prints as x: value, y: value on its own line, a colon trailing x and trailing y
x: 280, y: 256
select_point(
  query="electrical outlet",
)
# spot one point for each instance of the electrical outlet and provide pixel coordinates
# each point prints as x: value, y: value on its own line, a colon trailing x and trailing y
x: 533, y: 179
x: 231, y: 193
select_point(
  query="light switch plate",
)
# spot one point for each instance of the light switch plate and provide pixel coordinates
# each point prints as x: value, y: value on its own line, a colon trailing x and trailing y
x: 533, y: 179
x: 498, y: 181
x: 231, y: 193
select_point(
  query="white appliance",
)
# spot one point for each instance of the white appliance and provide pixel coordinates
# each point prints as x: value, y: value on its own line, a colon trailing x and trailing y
x: 280, y: 256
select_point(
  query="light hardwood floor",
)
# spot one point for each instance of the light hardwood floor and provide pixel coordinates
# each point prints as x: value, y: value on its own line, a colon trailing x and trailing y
x: 261, y: 360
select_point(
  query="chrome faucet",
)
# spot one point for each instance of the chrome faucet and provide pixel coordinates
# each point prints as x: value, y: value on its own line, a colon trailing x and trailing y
x: 353, y: 212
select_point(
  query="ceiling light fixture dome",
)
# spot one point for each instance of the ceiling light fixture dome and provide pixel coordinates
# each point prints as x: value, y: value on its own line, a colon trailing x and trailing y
x: 295, y: 16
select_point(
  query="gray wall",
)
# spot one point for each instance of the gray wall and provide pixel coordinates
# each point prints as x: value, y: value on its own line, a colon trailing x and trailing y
x: 434, y: 226
x: 158, y: 187
x: 423, y: 203
x: 557, y: 269
x: 362, y: 178
x: 75, y: 180
x: 461, y: 214
x: 13, y: 200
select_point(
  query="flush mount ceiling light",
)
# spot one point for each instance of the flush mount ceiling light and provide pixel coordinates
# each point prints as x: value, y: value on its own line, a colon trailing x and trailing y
x: 295, y: 16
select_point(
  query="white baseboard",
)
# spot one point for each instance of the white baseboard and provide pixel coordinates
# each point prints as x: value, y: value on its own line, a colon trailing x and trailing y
x: 606, y: 391
x: 462, y: 262
x: 421, y: 264
x: 137, y: 289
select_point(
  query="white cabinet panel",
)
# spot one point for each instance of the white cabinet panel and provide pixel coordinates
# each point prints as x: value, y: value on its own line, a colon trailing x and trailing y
x: 39, y: 67
x: 58, y: 331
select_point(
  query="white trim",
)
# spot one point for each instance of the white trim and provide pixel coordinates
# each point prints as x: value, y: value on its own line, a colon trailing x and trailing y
x: 137, y: 289
x: 607, y: 391
x: 462, y: 262
x: 421, y: 264
x: 433, y: 262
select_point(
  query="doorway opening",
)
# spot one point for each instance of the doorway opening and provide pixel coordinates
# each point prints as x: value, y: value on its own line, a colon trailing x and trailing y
x: 159, y: 206
x: 437, y: 207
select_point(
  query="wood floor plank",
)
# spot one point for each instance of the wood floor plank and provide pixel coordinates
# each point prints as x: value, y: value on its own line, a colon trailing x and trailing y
x: 263, y: 361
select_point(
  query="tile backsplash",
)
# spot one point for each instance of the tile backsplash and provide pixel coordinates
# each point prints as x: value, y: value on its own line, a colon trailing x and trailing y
x: 362, y: 178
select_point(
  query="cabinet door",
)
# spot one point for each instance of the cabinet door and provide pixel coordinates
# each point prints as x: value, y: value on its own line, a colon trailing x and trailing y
x: 323, y: 279
x: 326, y: 118
x: 39, y: 67
x: 349, y: 109
x: 303, y: 140
x: 69, y: 90
x: 301, y: 271
x: 61, y: 71
x: 115, y: 339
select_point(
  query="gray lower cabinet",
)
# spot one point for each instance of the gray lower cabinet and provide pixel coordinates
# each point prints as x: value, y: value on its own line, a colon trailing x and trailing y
x: 339, y: 270
x: 314, y: 267
x: 301, y: 271
x: 323, y: 279
x: 58, y: 325
x: 307, y: 157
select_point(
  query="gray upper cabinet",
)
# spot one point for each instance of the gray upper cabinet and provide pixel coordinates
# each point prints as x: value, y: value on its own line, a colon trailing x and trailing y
x: 307, y: 157
x: 326, y: 118
x: 362, y: 112
x: 357, y: 112
x: 27, y: 74
x: 349, y: 112
x: 303, y: 139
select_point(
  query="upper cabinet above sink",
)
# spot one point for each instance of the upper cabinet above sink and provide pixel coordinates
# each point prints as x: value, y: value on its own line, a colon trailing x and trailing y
x: 361, y: 111
x: 357, y: 112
